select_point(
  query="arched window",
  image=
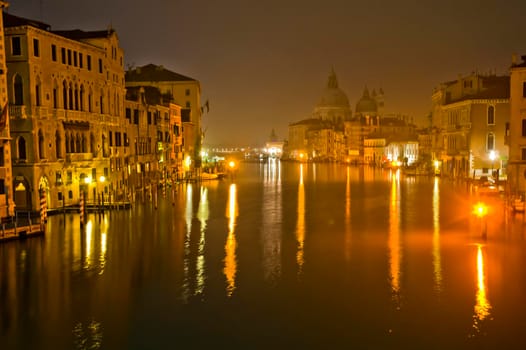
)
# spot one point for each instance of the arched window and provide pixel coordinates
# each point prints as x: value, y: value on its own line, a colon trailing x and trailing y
x: 76, y: 97
x: 58, y: 145
x: 491, y: 115
x: 70, y: 96
x: 18, y: 90
x: 77, y: 144
x: 67, y: 143
x: 90, y: 101
x: 82, y: 98
x: 41, y: 153
x: 101, y: 101
x: 490, y: 141
x: 71, y: 143
x: 65, y: 94
x: 38, y: 98
x: 83, y: 143
x: 55, y: 95
x: 92, y: 146
x: 22, y: 148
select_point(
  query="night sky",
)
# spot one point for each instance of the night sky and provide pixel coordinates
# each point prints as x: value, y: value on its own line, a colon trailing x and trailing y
x: 264, y: 64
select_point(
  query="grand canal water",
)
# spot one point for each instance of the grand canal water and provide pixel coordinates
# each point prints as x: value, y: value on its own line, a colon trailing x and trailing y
x: 281, y: 256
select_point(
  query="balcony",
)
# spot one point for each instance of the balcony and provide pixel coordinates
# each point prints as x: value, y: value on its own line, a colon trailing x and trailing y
x: 78, y: 157
x: 17, y: 112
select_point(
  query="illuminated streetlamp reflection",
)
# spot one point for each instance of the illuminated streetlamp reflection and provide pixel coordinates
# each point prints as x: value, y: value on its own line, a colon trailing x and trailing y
x: 300, y: 224
x: 202, y: 216
x: 437, y: 263
x: 482, y: 307
x: 230, y: 268
x: 395, y: 252
x: 186, y: 261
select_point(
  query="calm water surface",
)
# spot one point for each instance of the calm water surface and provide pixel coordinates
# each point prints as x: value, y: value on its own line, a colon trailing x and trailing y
x: 284, y: 256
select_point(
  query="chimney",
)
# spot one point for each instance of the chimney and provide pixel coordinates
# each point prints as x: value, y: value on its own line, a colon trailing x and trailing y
x: 514, y: 59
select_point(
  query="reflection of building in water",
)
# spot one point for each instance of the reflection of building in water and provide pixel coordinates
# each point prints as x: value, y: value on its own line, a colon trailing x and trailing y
x: 437, y: 264
x: 348, y: 215
x: 88, y: 336
x: 300, y: 224
x: 482, y: 307
x: 202, y: 216
x: 272, y: 218
x: 395, y: 251
x: 186, y: 261
x: 230, y: 269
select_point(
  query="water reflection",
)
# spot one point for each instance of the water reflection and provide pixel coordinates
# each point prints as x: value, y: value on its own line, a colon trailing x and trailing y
x: 87, y: 336
x: 202, y: 216
x: 186, y: 260
x: 88, y: 243
x: 272, y: 221
x: 437, y: 264
x: 230, y: 269
x: 348, y: 215
x: 482, y: 307
x: 395, y: 252
x: 300, y: 224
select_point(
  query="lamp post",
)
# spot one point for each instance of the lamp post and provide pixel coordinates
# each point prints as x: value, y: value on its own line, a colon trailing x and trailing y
x: 481, y: 210
x: 102, y: 179
x: 492, y: 157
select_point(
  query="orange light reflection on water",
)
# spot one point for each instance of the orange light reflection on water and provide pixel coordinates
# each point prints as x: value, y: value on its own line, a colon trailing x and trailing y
x: 230, y: 268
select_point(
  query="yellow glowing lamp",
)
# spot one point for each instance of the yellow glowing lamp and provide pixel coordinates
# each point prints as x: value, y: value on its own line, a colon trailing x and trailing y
x: 480, y: 209
x: 232, y: 164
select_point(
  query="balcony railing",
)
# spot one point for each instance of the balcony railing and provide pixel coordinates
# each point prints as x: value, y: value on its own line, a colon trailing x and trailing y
x: 78, y: 157
x: 18, y: 112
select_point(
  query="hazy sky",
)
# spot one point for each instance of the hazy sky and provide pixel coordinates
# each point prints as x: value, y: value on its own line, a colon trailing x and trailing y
x: 264, y: 64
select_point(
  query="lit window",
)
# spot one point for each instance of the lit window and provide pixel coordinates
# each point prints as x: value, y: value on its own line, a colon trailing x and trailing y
x: 491, y: 115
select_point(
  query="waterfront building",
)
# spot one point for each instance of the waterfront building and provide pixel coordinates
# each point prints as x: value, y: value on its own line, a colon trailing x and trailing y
x: 321, y: 137
x: 333, y: 133
x: 185, y: 92
x: 374, y: 150
x: 66, y: 93
x: 470, y: 118
x: 366, y: 120
x: 154, y: 133
x: 274, y: 147
x: 6, y: 176
x: 517, y: 137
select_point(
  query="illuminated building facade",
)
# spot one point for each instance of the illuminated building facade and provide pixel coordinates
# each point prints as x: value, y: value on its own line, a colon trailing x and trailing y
x: 66, y: 94
x: 185, y: 92
x: 517, y: 160
x: 154, y: 135
x: 470, y: 121
x: 6, y: 177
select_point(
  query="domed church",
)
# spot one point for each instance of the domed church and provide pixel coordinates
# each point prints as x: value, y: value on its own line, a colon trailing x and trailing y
x: 334, y: 105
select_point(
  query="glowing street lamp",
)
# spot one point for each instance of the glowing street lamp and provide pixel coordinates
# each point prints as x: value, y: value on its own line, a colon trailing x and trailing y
x: 492, y: 157
x: 481, y: 210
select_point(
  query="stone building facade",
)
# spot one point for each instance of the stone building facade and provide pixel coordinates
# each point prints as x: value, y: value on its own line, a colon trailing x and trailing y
x: 517, y: 136
x: 73, y: 129
x: 6, y: 176
x: 470, y: 118
x: 185, y: 92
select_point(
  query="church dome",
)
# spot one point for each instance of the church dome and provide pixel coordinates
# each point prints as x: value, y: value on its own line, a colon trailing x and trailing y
x: 333, y: 96
x: 366, y: 105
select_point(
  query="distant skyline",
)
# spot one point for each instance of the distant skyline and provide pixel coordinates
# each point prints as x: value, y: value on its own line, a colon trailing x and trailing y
x: 264, y: 65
